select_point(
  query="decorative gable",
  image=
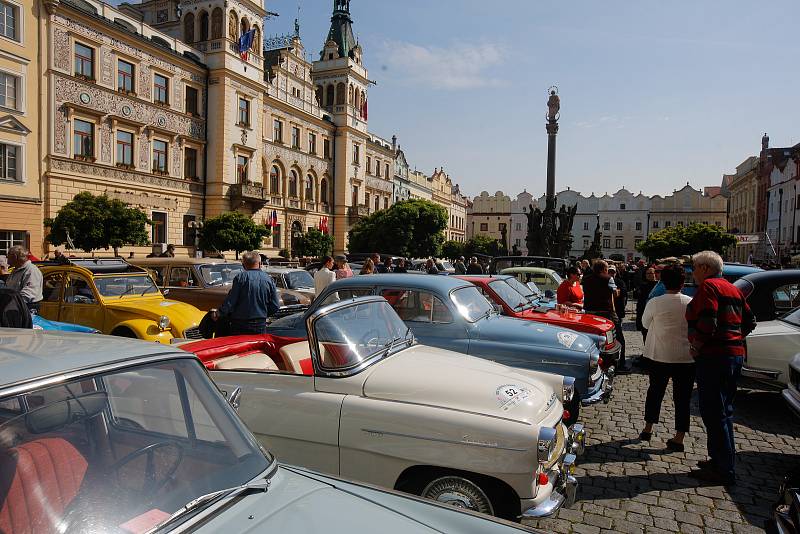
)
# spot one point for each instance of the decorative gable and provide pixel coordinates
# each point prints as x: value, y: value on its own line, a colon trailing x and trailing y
x: 9, y: 123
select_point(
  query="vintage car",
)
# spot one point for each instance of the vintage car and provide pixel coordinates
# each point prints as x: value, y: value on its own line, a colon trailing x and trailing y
x: 298, y: 281
x: 205, y: 282
x: 115, y: 298
x: 362, y: 399
x: 111, y: 435
x: 786, y: 510
x: 501, y: 291
x: 40, y: 323
x: 731, y: 272
x: 500, y: 263
x: 449, y: 313
x: 547, y: 280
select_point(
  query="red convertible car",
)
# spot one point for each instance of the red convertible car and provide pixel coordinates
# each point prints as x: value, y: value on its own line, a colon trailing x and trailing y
x: 500, y: 290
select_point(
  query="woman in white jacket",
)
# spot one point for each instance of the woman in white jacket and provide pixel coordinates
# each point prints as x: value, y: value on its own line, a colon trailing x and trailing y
x: 667, y: 348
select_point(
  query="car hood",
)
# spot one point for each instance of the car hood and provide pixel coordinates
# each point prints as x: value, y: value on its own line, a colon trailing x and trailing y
x: 436, y: 377
x: 292, y: 297
x: 510, y: 330
x: 302, y: 501
x: 180, y: 314
x: 581, y: 322
x: 773, y: 328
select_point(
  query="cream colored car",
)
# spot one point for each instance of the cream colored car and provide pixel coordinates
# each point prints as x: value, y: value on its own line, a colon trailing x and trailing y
x: 361, y: 399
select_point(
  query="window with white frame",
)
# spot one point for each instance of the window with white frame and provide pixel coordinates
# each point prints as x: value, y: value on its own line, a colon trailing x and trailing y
x: 9, y: 20
x: 244, y: 112
x: 9, y: 162
x: 9, y: 85
x: 12, y: 238
x: 312, y: 143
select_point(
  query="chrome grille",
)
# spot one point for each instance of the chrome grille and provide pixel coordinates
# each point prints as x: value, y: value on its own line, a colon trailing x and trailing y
x: 192, y: 333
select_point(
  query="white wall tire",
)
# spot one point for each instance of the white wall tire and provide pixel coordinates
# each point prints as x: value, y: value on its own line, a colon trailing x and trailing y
x: 460, y: 493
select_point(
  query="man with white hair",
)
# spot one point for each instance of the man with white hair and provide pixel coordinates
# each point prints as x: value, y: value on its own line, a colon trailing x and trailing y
x: 252, y: 298
x: 719, y: 319
x: 25, y: 278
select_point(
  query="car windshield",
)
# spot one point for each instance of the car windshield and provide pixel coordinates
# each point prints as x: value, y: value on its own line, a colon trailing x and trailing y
x: 470, y: 303
x: 445, y: 266
x: 530, y: 291
x: 220, y: 274
x: 299, y: 280
x: 121, y: 451
x: 509, y: 295
x: 354, y: 334
x: 124, y: 285
x: 793, y: 317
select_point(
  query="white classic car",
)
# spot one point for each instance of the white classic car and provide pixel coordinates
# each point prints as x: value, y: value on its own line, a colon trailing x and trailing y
x: 361, y: 399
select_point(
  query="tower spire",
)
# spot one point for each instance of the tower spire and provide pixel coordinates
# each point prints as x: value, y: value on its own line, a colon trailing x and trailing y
x: 341, y: 31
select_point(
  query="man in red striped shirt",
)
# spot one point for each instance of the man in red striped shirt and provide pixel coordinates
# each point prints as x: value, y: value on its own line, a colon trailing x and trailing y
x: 719, y: 319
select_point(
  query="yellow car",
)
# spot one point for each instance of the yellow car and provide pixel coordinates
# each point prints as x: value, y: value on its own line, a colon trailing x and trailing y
x: 115, y: 298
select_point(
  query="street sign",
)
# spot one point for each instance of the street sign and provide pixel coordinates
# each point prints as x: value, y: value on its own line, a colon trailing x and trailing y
x: 748, y: 239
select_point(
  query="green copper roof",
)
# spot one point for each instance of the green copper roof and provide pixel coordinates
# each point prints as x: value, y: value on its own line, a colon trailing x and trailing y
x: 342, y: 28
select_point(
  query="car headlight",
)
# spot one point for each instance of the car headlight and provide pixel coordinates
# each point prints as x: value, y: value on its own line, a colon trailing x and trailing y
x: 610, y: 336
x: 594, y: 361
x: 546, y: 444
x: 567, y: 389
x: 163, y: 322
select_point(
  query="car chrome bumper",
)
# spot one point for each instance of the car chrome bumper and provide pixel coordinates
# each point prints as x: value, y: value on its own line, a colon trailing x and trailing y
x: 792, y: 399
x: 565, y: 486
x: 603, y: 392
x: 760, y: 374
x: 576, y: 439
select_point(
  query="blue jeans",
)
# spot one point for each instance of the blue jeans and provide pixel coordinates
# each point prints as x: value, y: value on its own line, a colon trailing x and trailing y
x: 716, y: 388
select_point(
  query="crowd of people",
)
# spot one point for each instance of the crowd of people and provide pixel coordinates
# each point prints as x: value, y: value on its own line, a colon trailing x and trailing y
x: 687, y: 340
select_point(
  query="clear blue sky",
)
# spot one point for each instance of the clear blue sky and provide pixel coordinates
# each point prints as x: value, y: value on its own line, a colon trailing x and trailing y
x: 654, y: 93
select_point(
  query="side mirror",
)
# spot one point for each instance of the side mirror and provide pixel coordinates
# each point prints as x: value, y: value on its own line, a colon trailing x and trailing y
x: 165, y: 292
x: 498, y: 308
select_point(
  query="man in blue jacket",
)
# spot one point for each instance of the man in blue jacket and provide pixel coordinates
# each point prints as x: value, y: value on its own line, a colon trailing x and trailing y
x: 252, y: 298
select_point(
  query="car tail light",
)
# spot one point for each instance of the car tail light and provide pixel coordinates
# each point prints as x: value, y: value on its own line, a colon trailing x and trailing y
x: 566, y: 415
x: 542, y: 479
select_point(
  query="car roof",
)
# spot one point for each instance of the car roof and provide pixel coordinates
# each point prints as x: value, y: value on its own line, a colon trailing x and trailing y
x: 27, y: 355
x: 483, y: 276
x: 277, y: 270
x: 181, y: 261
x: 96, y: 266
x: 542, y: 270
x: 788, y: 275
x: 429, y: 282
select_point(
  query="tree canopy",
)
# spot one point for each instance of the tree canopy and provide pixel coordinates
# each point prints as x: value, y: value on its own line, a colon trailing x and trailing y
x: 452, y: 249
x: 686, y: 240
x: 232, y: 231
x: 410, y: 228
x: 481, y: 244
x: 98, y: 222
x: 315, y: 244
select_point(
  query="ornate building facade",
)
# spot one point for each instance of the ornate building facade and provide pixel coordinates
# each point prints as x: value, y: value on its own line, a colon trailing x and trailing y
x: 22, y: 96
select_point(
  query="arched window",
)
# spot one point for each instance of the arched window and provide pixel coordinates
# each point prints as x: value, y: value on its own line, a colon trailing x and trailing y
x: 275, y: 180
x: 323, y: 191
x: 341, y: 94
x: 204, y: 26
x: 256, y: 45
x: 319, y: 95
x: 188, y: 28
x: 309, y: 188
x: 293, y: 184
x: 216, y: 23
x: 329, y: 95
x: 377, y: 202
x: 350, y: 95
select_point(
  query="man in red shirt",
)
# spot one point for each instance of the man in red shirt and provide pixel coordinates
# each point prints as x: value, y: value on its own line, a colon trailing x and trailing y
x: 570, y: 291
x: 719, y: 319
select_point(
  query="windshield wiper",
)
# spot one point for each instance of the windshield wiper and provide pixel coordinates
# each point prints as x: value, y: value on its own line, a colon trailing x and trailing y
x: 398, y: 341
x: 127, y: 291
x: 259, y: 485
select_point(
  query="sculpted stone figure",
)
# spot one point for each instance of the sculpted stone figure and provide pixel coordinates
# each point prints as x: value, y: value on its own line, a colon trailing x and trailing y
x: 553, y: 106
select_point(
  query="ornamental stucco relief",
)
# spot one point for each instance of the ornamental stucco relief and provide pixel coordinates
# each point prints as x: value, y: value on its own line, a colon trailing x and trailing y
x: 101, y: 171
x: 105, y: 142
x: 60, y: 131
x: 61, y: 49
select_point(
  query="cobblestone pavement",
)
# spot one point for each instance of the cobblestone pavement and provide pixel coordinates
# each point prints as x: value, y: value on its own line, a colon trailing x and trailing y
x: 638, y: 487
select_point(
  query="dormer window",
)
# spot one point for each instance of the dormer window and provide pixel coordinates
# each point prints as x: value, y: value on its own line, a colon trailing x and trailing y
x: 622, y: 206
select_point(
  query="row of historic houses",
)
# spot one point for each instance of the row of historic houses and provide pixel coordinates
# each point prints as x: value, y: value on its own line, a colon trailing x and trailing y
x: 183, y: 109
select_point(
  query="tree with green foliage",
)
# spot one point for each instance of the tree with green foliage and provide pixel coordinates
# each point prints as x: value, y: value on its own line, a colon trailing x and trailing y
x: 481, y: 244
x: 232, y: 231
x: 686, y: 240
x: 452, y: 250
x: 98, y: 222
x: 410, y: 228
x: 315, y: 244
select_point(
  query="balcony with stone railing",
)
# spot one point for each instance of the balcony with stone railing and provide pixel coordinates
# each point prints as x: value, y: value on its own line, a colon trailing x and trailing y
x: 252, y: 193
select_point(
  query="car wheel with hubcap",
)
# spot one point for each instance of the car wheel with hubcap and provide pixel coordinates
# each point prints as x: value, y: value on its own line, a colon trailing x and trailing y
x: 458, y: 492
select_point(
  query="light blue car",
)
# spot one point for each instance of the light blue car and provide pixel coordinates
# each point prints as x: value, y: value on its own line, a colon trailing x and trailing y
x: 40, y: 323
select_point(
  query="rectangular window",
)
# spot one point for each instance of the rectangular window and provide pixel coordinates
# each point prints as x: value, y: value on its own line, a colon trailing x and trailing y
x: 484, y: 227
x: 378, y: 168
x: 159, y: 227
x: 8, y: 90
x: 9, y: 17
x: 667, y: 224
x: 386, y: 203
x: 276, y: 236
x: 160, y: 89
x: 295, y: 137
x: 9, y: 166
x: 312, y: 143
x: 244, y: 112
x: 619, y: 226
x: 242, y: 166
x: 125, y: 76
x: 83, y: 139
x: 190, y: 163
x: 12, y: 238
x: 377, y: 202
x: 606, y: 226
x: 277, y: 131
x: 160, y: 153
x: 386, y: 168
x: 356, y: 153
x: 84, y: 61
x: 518, y: 227
x: 606, y: 242
x: 655, y: 224
x: 585, y: 225
x: 189, y: 233
x: 191, y: 101
x: 369, y: 164
x: 638, y: 226
x: 366, y: 199
x: 585, y: 243
x: 124, y: 148
x: 326, y: 148
x: 619, y: 243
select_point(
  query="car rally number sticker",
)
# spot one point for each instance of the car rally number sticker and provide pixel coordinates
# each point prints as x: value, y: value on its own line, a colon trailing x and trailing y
x: 567, y: 338
x: 509, y: 396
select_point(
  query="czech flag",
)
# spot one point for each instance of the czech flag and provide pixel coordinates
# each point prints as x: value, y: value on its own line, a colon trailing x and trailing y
x: 273, y: 219
x: 323, y: 225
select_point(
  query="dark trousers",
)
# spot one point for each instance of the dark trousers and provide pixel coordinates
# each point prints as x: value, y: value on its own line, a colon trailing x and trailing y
x: 243, y: 327
x: 716, y: 388
x: 614, y: 318
x: 682, y: 375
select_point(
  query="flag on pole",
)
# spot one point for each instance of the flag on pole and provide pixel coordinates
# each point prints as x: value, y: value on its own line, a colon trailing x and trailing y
x: 245, y: 42
x: 365, y: 110
x: 273, y: 220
